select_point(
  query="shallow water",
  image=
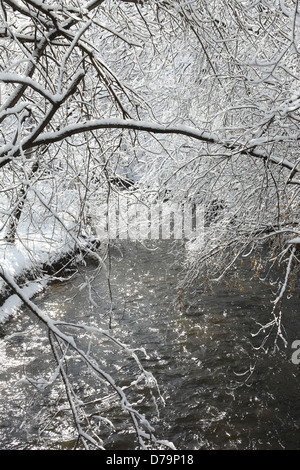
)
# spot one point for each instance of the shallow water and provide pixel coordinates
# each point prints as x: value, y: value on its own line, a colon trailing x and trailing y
x: 200, y: 355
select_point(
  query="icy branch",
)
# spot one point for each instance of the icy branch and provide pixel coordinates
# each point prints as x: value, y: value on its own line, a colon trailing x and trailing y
x: 15, y: 78
x: 151, y: 127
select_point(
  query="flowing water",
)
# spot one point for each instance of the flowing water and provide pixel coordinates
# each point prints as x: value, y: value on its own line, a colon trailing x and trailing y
x: 216, y: 390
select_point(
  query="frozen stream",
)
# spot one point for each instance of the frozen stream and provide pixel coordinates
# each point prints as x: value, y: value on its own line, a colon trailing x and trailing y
x: 199, y: 356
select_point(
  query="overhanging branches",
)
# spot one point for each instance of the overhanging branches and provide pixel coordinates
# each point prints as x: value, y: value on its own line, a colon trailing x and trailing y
x: 47, y: 138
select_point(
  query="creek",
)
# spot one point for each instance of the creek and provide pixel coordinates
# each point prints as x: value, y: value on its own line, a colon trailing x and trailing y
x: 200, y: 355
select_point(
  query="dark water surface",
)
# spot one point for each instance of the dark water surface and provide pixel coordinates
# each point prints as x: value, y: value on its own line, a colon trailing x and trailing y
x: 200, y: 356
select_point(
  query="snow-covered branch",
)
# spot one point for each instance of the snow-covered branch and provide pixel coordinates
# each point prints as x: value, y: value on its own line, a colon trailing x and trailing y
x: 48, y: 138
x: 14, y: 78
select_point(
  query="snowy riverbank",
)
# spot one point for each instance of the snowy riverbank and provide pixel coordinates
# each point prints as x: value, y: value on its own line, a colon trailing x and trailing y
x: 32, y: 264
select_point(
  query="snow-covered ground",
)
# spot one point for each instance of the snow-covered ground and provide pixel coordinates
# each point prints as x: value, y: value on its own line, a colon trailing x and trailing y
x: 23, y: 259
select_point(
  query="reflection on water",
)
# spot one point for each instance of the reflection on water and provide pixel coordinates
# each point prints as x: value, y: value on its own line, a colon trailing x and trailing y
x: 200, y: 356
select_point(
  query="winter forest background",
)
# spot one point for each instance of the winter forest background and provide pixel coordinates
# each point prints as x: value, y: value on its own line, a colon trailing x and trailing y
x: 197, y: 100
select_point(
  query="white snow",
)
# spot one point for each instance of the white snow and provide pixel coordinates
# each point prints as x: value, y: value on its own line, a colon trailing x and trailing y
x: 13, y: 303
x: 18, y: 259
x: 15, y: 78
x: 295, y: 240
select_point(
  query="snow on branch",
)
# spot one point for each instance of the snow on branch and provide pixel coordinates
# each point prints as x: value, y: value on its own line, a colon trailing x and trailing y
x: 15, y: 78
x: 48, y: 38
x: 151, y: 127
x: 58, y: 99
